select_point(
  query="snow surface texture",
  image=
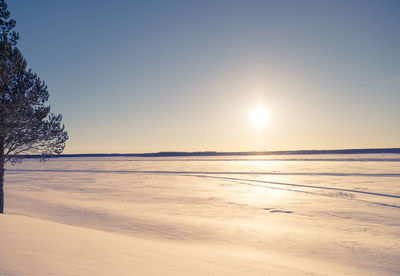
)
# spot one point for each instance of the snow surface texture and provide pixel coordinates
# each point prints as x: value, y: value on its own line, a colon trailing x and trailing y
x: 263, y: 215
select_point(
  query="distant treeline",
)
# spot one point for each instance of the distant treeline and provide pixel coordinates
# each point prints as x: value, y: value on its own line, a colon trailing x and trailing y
x: 216, y: 153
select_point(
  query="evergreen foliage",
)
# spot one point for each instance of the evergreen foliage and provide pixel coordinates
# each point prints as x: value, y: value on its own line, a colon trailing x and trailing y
x: 26, y: 124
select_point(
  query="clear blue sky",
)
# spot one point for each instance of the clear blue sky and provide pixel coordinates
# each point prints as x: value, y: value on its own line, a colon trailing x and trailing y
x: 139, y: 76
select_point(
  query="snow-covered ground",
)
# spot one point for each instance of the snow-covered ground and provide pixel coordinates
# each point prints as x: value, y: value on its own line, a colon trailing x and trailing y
x: 260, y: 215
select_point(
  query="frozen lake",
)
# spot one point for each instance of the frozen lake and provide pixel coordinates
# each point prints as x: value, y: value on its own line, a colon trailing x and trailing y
x: 341, y: 210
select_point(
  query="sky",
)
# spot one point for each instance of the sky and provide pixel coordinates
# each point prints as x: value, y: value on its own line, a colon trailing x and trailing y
x: 148, y: 76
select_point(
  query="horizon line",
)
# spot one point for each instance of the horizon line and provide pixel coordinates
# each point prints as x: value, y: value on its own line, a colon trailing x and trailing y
x: 229, y: 153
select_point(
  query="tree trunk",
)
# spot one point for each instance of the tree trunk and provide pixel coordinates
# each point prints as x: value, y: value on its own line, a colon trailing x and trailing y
x: 2, y: 159
x: 1, y: 189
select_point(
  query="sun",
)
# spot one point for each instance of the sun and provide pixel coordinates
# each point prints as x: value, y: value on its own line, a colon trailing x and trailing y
x: 259, y: 116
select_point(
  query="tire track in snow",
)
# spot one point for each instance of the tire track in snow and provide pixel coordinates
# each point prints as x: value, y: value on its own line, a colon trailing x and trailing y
x: 300, y: 185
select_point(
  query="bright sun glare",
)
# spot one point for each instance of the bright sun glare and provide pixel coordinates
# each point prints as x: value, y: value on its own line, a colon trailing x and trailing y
x: 259, y: 116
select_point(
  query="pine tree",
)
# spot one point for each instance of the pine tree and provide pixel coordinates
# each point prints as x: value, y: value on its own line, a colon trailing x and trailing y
x: 26, y: 124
